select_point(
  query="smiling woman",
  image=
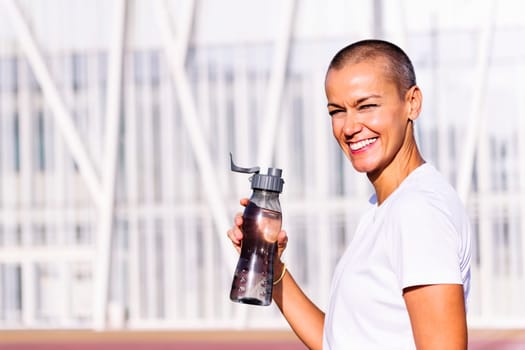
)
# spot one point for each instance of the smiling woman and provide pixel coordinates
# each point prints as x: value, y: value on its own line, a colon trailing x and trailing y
x: 403, y: 281
x: 416, y: 279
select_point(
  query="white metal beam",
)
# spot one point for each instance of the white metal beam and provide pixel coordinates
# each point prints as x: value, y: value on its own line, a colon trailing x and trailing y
x: 175, y: 52
x: 276, y: 85
x: 464, y: 177
x: 521, y: 153
x: 109, y: 166
x: 33, y: 254
x: 62, y: 117
x: 485, y: 221
x: 175, y: 55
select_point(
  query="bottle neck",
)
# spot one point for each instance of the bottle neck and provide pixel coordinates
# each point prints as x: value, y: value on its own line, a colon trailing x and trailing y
x: 266, y: 199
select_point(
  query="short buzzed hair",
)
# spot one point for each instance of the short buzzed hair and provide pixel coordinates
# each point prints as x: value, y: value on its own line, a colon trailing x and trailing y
x: 398, y: 66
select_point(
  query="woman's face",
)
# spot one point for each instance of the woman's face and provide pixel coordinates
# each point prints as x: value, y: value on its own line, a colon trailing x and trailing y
x: 370, y: 120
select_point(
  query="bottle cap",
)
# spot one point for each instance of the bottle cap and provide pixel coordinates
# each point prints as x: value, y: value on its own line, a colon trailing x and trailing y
x: 271, y: 181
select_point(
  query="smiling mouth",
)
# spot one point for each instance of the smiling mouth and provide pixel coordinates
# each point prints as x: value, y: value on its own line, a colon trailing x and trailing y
x: 356, y: 146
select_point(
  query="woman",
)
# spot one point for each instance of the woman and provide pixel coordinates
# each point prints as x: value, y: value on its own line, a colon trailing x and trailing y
x: 403, y: 281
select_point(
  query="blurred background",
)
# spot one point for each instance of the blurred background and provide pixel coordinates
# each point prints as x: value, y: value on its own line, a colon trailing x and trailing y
x: 117, y: 119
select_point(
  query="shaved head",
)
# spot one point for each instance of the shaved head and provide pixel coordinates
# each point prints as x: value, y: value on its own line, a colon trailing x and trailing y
x: 391, y: 58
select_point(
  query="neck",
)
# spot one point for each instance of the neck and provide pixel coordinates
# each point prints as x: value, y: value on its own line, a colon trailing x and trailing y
x: 389, y: 178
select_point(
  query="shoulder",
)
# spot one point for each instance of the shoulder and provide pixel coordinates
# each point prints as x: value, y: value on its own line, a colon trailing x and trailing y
x: 426, y: 199
x: 426, y: 189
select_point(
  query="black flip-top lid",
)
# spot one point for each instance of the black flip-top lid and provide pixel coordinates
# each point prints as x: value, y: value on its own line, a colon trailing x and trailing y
x: 271, y: 181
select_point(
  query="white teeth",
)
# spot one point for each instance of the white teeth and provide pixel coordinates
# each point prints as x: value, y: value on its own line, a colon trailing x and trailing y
x: 358, y: 145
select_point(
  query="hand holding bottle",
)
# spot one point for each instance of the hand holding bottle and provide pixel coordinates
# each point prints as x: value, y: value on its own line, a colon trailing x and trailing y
x: 235, y: 235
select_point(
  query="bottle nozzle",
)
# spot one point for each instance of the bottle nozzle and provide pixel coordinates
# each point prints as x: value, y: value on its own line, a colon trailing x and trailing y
x: 238, y: 169
x: 275, y: 172
x: 271, y: 181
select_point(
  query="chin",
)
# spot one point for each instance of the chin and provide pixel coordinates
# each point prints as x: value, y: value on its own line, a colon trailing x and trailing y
x: 362, y: 168
x: 363, y: 164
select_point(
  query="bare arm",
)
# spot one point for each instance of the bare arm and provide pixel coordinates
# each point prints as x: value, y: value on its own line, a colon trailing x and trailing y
x: 305, y: 318
x: 437, y: 314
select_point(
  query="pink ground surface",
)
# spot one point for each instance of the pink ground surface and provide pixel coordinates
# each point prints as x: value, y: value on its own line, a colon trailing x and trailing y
x: 40, y: 340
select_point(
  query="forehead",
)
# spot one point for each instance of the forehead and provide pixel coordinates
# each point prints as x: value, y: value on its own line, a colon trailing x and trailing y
x: 360, y: 77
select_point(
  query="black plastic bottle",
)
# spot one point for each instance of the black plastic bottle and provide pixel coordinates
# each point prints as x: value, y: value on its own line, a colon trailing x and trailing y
x: 253, y: 278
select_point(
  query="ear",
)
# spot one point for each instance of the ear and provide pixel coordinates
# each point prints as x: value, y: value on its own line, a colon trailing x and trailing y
x: 414, y: 100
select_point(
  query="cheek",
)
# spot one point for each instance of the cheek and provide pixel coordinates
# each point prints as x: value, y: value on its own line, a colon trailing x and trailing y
x: 385, y: 122
x: 377, y: 121
x: 336, y: 128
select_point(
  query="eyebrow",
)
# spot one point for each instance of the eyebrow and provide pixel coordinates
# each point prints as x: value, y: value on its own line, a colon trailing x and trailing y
x: 333, y: 105
x: 358, y: 101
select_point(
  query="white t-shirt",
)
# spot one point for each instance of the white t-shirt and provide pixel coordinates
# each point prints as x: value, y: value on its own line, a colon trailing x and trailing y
x: 419, y: 235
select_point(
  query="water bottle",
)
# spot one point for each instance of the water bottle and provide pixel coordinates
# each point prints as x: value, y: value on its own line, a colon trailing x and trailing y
x: 253, y: 278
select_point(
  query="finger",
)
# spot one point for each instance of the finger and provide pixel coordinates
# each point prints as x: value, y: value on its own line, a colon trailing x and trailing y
x: 282, y: 238
x: 244, y: 202
x: 234, y: 237
x: 238, y: 220
x: 238, y: 234
x: 235, y: 234
x: 282, y: 242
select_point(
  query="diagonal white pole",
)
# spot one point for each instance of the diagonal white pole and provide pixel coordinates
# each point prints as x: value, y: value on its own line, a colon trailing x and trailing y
x: 466, y: 163
x: 475, y: 126
x: 276, y: 85
x: 521, y: 152
x: 175, y: 54
x: 62, y: 117
x: 109, y: 166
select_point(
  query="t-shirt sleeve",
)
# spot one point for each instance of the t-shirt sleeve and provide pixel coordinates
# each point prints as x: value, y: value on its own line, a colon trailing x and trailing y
x: 424, y: 244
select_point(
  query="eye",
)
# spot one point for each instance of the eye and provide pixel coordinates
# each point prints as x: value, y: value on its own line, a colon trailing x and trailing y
x: 334, y: 112
x: 367, y: 106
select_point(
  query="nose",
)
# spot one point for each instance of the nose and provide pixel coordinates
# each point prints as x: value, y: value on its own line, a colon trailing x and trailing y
x: 351, y: 125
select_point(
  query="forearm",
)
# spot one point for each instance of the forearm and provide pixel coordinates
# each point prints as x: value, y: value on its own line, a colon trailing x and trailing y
x: 305, y: 318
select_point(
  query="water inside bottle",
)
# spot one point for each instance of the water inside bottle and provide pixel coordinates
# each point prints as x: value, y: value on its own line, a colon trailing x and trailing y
x: 252, y: 283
